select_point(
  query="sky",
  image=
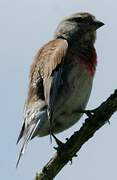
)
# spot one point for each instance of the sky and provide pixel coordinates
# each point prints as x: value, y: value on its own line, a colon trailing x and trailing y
x: 25, y: 26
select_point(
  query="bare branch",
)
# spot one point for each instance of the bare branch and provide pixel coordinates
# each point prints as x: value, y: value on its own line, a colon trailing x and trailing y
x: 97, y: 119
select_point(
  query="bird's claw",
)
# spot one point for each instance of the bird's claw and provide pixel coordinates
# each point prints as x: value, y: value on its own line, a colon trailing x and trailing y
x: 108, y: 122
x: 59, y: 143
x: 71, y: 159
x: 89, y: 113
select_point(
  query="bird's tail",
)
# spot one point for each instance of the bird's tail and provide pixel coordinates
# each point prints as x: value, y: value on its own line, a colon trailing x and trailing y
x: 28, y: 134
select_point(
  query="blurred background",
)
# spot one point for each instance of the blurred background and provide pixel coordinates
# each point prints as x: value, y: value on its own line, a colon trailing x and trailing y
x: 25, y: 26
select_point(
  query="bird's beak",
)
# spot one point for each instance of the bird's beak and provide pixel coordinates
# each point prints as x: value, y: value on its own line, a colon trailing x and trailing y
x: 98, y: 24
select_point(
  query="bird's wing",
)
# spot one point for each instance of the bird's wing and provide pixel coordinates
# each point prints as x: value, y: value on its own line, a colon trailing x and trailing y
x: 45, y: 63
x: 53, y: 62
x: 45, y: 77
x: 49, y: 62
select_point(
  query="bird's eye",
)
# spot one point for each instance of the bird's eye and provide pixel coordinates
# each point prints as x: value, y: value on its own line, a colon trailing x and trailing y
x: 86, y: 20
x: 89, y: 19
x: 81, y: 19
x: 77, y: 19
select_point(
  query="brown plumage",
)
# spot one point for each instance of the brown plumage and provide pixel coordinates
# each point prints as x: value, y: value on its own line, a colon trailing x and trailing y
x: 46, y: 60
x: 60, y: 78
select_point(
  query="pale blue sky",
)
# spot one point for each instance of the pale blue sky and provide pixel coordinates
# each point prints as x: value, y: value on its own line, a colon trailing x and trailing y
x: 25, y: 25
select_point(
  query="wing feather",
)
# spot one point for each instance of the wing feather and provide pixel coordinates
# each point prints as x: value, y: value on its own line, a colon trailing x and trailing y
x: 45, y: 62
x: 43, y: 84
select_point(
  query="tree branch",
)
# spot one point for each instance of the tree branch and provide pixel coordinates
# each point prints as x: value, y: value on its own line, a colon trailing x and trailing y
x: 98, y: 118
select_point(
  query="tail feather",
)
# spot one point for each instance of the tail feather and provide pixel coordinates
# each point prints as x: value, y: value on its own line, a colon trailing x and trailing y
x: 21, y: 133
x: 27, y: 136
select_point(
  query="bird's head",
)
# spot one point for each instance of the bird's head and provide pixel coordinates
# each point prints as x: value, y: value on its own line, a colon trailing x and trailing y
x: 78, y: 26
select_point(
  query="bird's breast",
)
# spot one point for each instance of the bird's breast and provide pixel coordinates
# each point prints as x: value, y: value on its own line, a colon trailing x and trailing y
x: 73, y: 95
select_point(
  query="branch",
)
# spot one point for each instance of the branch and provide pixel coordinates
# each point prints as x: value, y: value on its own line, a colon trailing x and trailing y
x: 98, y: 118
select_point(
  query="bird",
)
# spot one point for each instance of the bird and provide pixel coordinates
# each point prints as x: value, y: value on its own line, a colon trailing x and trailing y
x: 60, y: 78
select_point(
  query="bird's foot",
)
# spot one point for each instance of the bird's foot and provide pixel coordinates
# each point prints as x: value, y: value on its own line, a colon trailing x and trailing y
x: 71, y: 159
x: 59, y: 143
x: 108, y: 122
x: 89, y: 113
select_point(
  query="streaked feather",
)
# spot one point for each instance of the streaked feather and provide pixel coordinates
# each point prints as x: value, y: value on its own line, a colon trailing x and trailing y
x: 44, y: 81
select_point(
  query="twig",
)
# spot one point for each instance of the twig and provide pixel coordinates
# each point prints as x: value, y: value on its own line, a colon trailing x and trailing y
x: 100, y: 116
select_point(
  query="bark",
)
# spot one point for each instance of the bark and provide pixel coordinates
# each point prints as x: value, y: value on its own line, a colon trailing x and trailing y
x: 96, y: 119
